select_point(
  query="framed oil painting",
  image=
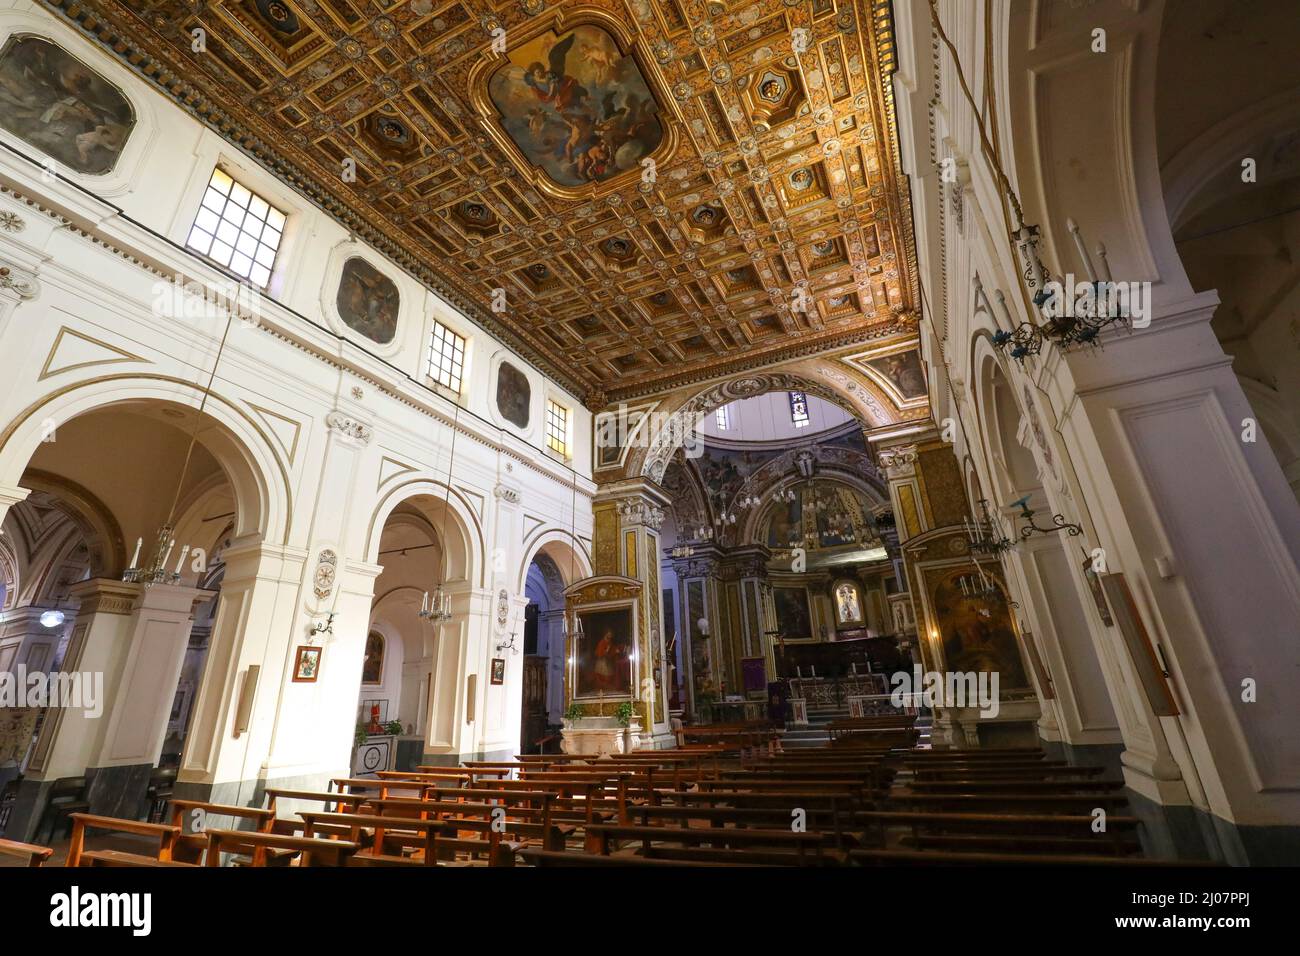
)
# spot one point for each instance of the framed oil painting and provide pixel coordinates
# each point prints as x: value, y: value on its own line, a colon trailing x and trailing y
x: 372, y: 668
x: 576, y: 106
x: 498, y: 670
x: 602, y: 661
x: 306, y: 664
x: 54, y: 102
x: 514, y: 395
x: 793, y: 618
x: 975, y: 630
x: 367, y: 301
x: 903, y: 370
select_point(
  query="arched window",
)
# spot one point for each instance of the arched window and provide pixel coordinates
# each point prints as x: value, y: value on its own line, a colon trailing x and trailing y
x: 848, y: 604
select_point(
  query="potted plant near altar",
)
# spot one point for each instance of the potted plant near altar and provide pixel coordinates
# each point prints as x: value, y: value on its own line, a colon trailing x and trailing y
x: 626, y: 716
x: 572, y: 715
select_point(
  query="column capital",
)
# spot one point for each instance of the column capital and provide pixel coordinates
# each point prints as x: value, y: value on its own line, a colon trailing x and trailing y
x: 105, y: 596
x: 899, y: 461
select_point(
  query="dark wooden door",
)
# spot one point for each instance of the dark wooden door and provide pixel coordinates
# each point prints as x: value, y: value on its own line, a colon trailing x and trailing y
x: 533, y: 727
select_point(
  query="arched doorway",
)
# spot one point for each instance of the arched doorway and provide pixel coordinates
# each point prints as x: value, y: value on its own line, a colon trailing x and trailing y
x: 413, y: 667
x: 555, y: 564
x: 98, y: 487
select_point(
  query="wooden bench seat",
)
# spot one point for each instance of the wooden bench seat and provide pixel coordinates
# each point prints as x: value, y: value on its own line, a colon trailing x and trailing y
x: 312, y: 851
x: 165, y: 834
x: 953, y: 858
x: 121, y: 858
x: 552, y: 858
x: 1024, y: 843
x: 801, y: 848
x: 32, y: 854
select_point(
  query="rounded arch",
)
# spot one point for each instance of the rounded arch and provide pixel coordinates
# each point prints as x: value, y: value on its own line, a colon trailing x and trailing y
x: 565, y: 552
x: 99, y: 528
x: 247, y: 455
x: 451, y: 515
x: 842, y: 388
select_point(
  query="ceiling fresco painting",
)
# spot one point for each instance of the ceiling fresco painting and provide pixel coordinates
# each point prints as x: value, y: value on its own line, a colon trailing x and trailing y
x: 668, y: 191
x: 577, y: 106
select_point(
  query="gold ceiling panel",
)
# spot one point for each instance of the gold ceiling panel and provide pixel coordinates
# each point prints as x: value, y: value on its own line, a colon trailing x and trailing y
x: 668, y: 190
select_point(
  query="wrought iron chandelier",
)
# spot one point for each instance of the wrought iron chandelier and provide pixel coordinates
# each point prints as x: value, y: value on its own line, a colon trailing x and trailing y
x: 437, y: 608
x: 156, y: 570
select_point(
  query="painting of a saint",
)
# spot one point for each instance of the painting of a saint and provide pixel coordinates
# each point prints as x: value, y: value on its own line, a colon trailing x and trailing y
x: 604, y: 655
x: 792, y: 616
x: 372, y: 670
x: 976, y: 631
x: 53, y: 101
x: 367, y: 301
x: 576, y: 106
x: 904, y: 372
x: 514, y: 395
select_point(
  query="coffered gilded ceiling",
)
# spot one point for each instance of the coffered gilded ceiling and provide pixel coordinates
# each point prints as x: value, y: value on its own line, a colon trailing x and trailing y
x: 667, y: 190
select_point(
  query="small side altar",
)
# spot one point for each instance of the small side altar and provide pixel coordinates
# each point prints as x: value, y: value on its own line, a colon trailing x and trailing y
x: 599, y: 735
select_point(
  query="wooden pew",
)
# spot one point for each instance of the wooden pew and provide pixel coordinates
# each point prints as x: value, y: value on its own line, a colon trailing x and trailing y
x: 776, y: 846
x: 950, y: 858
x: 164, y: 833
x: 312, y: 850
x: 330, y: 799
x: 552, y: 858
x: 190, y: 846
x: 1078, y: 803
x: 1013, y: 785
x: 526, y: 824
x: 33, y: 854
x: 1026, y: 772
x: 121, y: 858
x: 372, y: 830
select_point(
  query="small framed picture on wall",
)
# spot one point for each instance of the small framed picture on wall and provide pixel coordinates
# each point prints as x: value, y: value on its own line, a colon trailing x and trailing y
x: 306, y: 664
x: 498, y: 670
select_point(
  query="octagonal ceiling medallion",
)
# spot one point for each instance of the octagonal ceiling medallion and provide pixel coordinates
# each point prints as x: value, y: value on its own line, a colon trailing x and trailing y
x: 575, y: 106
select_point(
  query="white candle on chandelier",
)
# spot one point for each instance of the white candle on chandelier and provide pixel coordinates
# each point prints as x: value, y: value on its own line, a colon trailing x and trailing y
x: 168, y: 553
x: 135, y: 558
x: 424, y: 602
x: 185, y: 549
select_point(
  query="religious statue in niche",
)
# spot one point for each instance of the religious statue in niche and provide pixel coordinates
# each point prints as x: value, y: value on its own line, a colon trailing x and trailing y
x: 576, y: 106
x: 514, y: 395
x: 848, y: 604
x: 372, y: 669
x: 367, y: 301
x: 53, y: 101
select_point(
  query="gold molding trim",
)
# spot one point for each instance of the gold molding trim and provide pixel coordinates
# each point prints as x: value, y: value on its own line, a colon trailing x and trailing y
x: 48, y: 372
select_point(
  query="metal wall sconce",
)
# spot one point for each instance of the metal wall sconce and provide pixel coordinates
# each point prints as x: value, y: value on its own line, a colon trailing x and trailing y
x: 1029, y: 528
